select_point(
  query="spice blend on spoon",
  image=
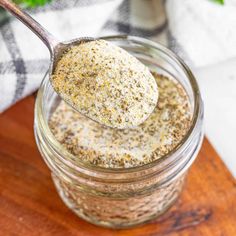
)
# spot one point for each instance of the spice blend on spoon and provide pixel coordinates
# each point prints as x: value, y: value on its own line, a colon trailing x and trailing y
x: 106, y: 84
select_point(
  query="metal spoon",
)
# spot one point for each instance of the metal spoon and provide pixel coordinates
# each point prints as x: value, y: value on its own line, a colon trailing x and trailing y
x: 56, y: 48
x: 133, y: 116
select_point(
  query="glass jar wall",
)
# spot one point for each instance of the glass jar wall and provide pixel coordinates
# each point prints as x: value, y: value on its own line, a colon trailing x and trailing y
x: 123, y: 197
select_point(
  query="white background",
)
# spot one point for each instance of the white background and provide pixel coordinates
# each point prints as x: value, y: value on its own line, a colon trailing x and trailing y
x: 218, y: 86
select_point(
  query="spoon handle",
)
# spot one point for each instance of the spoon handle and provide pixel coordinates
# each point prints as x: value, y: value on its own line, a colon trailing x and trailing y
x: 50, y: 41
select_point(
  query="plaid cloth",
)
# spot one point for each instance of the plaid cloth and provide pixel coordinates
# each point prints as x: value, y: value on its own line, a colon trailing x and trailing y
x: 24, y: 59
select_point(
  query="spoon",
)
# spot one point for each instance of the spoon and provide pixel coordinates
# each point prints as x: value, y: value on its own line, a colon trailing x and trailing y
x: 122, y: 97
x: 56, y: 48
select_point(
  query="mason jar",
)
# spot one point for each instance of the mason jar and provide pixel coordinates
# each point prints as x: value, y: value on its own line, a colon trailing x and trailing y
x: 123, y: 197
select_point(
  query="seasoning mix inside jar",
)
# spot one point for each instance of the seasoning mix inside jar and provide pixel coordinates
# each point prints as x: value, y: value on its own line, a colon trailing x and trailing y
x: 124, y: 177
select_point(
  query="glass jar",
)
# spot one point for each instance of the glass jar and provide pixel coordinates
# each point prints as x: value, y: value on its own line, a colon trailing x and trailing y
x: 120, y: 198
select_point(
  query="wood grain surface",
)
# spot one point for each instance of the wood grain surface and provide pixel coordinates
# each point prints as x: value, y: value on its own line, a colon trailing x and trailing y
x: 29, y: 204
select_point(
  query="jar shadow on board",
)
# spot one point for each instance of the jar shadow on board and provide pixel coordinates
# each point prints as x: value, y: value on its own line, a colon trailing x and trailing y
x: 121, y: 197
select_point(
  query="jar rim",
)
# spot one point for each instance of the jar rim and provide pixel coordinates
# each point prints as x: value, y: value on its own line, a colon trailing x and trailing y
x: 175, y: 151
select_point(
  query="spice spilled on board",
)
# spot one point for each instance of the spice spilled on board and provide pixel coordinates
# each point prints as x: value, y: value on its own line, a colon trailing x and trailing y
x: 106, y: 84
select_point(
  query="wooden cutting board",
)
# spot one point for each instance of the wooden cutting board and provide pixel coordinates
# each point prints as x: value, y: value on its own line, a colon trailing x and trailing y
x: 29, y: 204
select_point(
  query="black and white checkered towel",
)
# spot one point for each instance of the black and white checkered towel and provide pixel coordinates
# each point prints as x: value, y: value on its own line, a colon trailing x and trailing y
x: 199, y: 30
